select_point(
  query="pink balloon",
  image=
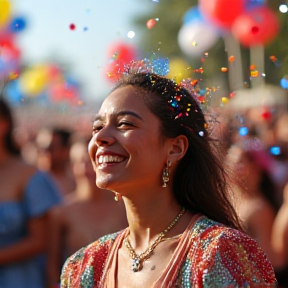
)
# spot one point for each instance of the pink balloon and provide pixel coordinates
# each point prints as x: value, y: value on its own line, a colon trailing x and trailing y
x: 256, y: 27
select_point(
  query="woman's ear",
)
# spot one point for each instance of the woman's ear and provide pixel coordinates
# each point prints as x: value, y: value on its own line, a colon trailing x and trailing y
x: 178, y: 148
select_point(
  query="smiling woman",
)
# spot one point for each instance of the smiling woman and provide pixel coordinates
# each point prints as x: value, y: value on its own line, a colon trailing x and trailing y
x: 151, y: 147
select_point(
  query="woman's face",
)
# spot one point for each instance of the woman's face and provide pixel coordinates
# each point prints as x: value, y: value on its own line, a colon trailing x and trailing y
x: 127, y: 149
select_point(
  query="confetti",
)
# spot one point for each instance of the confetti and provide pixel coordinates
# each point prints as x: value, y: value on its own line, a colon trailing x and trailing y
x: 72, y: 26
x: 231, y: 59
x: 275, y: 150
x: 151, y: 23
x: 243, y: 131
x: 201, y: 133
x: 224, y: 69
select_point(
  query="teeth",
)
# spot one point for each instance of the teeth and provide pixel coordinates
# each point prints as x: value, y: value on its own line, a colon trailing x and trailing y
x: 109, y: 159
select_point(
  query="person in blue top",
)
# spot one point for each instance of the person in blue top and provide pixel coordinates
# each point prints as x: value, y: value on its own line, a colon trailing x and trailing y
x: 26, y: 196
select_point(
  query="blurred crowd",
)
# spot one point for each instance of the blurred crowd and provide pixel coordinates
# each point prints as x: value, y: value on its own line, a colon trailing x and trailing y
x: 50, y: 206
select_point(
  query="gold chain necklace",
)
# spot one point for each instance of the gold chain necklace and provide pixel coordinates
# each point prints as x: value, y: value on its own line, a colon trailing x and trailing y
x: 138, y: 260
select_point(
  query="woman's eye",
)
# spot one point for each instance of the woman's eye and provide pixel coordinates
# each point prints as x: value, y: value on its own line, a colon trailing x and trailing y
x: 96, y: 128
x: 125, y: 123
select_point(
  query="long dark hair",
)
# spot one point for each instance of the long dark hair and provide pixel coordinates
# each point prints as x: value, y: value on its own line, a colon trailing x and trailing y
x: 200, y: 180
x: 6, y: 114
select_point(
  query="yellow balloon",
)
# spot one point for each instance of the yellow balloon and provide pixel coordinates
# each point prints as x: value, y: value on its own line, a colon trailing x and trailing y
x: 4, y: 12
x: 34, y: 80
x: 178, y: 70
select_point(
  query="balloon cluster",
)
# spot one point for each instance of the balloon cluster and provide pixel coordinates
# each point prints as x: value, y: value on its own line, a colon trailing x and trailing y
x: 43, y: 82
x: 10, y: 54
x: 251, y: 22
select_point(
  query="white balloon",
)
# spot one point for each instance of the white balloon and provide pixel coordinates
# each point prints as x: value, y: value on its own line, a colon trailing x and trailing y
x: 196, y: 38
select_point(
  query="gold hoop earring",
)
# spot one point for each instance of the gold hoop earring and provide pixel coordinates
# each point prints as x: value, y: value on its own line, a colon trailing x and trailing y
x: 165, y: 174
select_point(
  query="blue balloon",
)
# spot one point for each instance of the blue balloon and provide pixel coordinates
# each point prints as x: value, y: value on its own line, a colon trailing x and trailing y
x: 284, y: 83
x: 13, y: 93
x: 18, y: 24
x: 192, y: 15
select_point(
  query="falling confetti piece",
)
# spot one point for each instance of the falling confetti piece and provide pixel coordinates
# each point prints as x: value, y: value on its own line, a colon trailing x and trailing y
x: 231, y: 59
x: 232, y: 95
x: 266, y: 115
x: 201, y: 133
x: 85, y: 28
x: 243, y: 131
x: 273, y: 58
x: 254, y: 73
x: 194, y: 43
x: 72, y: 26
x: 224, y: 69
x: 224, y: 100
x: 252, y: 67
x: 151, y: 23
x: 275, y: 150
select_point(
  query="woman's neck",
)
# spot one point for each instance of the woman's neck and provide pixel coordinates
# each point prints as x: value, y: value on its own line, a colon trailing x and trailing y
x: 147, y: 218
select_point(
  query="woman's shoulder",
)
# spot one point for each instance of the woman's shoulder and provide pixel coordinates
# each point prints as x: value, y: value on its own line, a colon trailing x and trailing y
x: 228, y: 252
x: 88, y: 262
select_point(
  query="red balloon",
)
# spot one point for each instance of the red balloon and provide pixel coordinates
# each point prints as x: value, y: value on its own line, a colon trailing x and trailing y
x: 121, y: 54
x: 256, y: 27
x: 114, y: 70
x: 222, y: 12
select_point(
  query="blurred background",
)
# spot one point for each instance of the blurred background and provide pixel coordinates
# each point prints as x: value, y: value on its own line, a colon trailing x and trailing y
x: 60, y: 58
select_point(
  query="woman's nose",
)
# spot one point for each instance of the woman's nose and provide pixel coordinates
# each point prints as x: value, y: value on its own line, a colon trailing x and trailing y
x: 104, y: 137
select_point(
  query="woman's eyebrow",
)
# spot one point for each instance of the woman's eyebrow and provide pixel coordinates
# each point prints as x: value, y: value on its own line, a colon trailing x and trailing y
x: 122, y: 113
x: 98, y: 117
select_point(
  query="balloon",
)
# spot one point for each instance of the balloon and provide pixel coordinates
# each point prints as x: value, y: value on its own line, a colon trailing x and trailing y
x: 18, y: 24
x: 13, y: 93
x: 258, y: 26
x: 222, y: 12
x: 122, y: 54
x: 178, y: 70
x: 196, y: 38
x: 34, y: 80
x: 4, y: 12
x: 63, y: 92
x: 192, y: 15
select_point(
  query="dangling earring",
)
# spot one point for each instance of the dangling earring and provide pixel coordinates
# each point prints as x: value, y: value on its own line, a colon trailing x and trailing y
x: 117, y: 196
x: 165, y: 174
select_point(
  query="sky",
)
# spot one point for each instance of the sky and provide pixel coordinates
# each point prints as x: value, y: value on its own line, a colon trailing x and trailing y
x: 98, y: 24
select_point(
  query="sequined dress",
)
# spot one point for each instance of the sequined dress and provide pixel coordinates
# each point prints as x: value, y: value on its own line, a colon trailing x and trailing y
x: 40, y: 194
x: 216, y: 257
